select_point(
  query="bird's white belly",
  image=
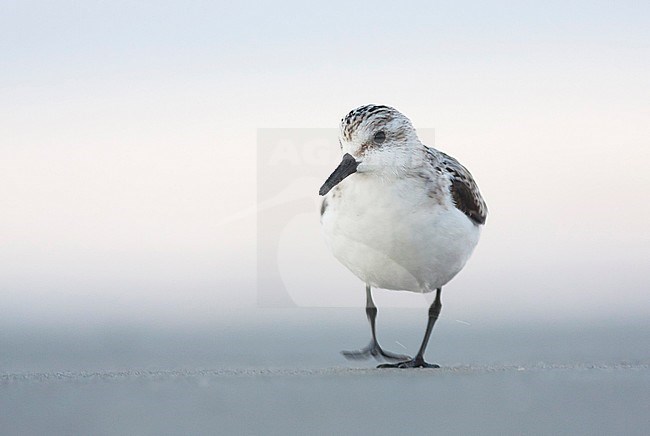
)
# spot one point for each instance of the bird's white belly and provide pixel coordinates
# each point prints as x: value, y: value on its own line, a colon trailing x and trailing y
x: 392, y: 238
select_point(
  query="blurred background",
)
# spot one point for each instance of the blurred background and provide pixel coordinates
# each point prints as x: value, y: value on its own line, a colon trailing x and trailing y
x: 130, y: 154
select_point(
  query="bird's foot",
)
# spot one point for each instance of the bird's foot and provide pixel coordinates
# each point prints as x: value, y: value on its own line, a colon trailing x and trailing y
x: 417, y: 362
x: 373, y: 349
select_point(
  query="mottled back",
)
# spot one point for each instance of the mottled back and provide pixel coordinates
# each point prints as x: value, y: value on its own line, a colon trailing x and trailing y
x: 463, y: 188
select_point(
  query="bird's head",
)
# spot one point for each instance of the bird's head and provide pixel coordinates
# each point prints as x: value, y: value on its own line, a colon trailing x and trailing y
x: 374, y: 139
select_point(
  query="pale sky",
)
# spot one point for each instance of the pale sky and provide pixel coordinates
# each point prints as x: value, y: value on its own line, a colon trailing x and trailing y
x: 129, y: 164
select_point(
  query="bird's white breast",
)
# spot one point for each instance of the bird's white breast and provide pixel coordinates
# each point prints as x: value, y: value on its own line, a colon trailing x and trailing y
x: 393, y: 235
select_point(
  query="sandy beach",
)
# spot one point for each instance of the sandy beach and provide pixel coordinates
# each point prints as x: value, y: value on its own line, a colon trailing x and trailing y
x: 275, y: 378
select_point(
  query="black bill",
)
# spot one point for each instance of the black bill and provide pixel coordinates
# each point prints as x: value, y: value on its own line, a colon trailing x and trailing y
x: 347, y: 166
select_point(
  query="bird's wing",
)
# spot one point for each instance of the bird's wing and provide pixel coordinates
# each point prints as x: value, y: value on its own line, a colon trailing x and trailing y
x: 464, y: 191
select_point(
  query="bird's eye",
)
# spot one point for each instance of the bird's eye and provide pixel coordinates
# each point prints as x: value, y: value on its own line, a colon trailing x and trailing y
x: 380, y: 137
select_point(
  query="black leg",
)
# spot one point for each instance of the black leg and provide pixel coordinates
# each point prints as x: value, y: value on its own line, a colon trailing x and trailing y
x: 418, y: 360
x: 373, y: 349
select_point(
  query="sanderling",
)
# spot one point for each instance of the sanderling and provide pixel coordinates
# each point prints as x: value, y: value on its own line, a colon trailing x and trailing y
x: 399, y: 215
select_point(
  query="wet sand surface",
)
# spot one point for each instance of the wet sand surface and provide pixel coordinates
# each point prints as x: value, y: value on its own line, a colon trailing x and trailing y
x: 276, y: 378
